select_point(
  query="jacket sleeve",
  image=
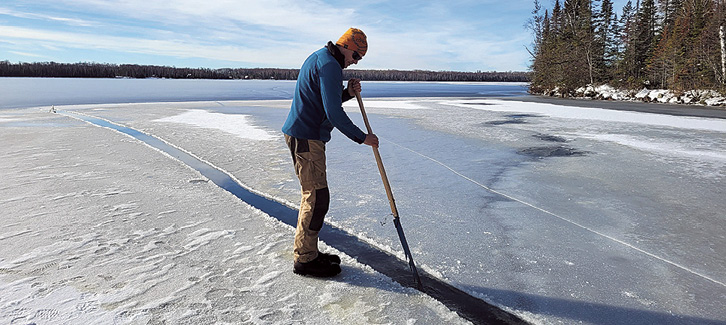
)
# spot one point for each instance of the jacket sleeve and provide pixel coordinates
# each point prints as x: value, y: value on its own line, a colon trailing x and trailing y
x: 331, y: 86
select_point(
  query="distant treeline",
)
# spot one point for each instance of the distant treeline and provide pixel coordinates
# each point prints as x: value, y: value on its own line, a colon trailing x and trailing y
x: 101, y: 70
x: 666, y: 44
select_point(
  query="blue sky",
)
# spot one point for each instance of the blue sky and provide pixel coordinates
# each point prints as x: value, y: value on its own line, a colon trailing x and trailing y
x: 459, y: 35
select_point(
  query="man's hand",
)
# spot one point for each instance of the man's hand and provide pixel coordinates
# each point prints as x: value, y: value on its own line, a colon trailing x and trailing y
x: 371, y: 140
x: 353, y: 86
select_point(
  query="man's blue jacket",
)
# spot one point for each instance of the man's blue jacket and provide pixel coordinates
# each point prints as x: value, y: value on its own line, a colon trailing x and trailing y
x: 317, y: 103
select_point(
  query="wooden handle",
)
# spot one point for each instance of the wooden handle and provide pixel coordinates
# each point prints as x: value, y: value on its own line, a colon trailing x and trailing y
x: 381, y: 169
x: 363, y: 112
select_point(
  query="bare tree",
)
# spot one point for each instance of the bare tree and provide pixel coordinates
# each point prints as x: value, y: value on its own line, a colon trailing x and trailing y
x: 722, y: 35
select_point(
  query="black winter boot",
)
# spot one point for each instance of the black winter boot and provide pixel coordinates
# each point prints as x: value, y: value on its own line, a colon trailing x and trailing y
x: 319, y: 267
x: 332, y: 258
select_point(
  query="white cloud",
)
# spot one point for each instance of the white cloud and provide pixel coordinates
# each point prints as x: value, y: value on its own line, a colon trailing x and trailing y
x: 66, y: 20
x: 444, y: 50
x: 182, y: 49
x: 274, y: 33
x: 28, y: 54
x: 309, y: 18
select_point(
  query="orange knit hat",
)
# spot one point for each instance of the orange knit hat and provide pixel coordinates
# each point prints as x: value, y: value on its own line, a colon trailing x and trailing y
x: 355, y: 40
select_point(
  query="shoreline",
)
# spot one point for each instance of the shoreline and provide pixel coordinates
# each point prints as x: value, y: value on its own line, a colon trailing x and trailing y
x: 632, y: 106
x: 654, y: 108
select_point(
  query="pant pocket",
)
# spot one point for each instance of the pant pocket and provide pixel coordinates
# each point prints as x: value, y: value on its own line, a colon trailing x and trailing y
x: 310, y: 169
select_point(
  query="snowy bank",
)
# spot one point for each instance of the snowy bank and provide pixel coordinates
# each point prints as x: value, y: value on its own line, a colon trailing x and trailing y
x: 607, y: 92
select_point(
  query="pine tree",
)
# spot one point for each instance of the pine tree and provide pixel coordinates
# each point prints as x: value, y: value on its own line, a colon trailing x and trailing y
x: 646, y: 33
x: 667, y: 56
x: 670, y: 10
x: 625, y: 62
x: 548, y: 63
x: 605, y: 25
x: 578, y: 36
x: 701, y: 71
x: 673, y: 44
x: 537, y: 25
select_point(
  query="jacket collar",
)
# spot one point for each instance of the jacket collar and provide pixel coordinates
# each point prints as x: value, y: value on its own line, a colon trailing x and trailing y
x: 335, y: 52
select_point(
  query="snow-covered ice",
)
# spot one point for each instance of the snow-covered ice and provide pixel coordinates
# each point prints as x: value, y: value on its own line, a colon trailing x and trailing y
x: 99, y: 228
x: 595, y: 114
x: 234, y: 124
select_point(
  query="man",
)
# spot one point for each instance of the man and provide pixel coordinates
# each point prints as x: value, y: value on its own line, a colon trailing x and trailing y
x: 316, y: 109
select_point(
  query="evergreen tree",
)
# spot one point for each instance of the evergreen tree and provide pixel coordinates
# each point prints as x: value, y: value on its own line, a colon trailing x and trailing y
x: 646, y: 32
x: 578, y: 37
x: 670, y: 10
x: 672, y: 44
x: 667, y: 57
x: 701, y: 44
x: 625, y: 63
x: 605, y: 23
x: 547, y: 56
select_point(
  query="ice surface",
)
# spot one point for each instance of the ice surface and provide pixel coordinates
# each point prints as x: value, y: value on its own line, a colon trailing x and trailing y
x: 628, y: 232
x: 100, y: 228
x: 584, y: 113
x: 672, y: 148
x: 388, y: 104
x: 593, y: 253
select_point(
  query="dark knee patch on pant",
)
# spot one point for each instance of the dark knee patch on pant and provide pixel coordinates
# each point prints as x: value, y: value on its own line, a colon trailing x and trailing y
x: 322, y: 202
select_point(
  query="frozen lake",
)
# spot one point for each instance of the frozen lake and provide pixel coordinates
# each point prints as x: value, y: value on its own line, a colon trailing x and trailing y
x: 560, y: 214
x: 26, y: 92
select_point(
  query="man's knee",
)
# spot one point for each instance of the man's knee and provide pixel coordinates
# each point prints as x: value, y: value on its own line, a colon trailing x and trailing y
x: 320, y: 208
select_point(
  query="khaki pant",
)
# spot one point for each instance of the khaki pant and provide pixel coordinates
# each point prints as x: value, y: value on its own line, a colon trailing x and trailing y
x: 308, y: 156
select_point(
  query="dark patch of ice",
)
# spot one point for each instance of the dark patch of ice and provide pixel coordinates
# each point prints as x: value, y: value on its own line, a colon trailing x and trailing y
x: 512, y: 119
x: 502, y: 122
x: 549, y: 138
x: 517, y: 116
x: 551, y: 151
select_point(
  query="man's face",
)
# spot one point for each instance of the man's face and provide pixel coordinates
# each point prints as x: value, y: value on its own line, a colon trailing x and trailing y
x: 349, y: 57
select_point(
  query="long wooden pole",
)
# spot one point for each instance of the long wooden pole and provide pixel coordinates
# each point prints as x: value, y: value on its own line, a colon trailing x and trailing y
x: 391, y: 201
x: 381, y: 169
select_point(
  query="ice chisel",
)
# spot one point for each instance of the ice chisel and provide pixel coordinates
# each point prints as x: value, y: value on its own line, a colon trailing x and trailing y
x: 396, y: 220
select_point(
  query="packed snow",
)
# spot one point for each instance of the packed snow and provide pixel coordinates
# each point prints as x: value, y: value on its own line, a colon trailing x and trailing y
x: 237, y: 125
x: 557, y: 214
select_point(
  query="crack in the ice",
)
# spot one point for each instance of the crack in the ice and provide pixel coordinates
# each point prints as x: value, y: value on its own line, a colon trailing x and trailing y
x: 472, y: 308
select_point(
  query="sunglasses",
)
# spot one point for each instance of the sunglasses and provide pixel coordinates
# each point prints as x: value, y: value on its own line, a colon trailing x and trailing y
x: 356, y: 56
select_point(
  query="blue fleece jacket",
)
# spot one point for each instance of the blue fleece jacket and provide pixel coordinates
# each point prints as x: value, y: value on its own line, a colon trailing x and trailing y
x: 317, y: 102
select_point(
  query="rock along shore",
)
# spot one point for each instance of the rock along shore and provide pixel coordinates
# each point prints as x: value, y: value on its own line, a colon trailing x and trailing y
x: 607, y: 92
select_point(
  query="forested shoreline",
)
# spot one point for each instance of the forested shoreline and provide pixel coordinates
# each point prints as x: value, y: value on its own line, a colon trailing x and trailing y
x: 677, y: 45
x: 103, y: 70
